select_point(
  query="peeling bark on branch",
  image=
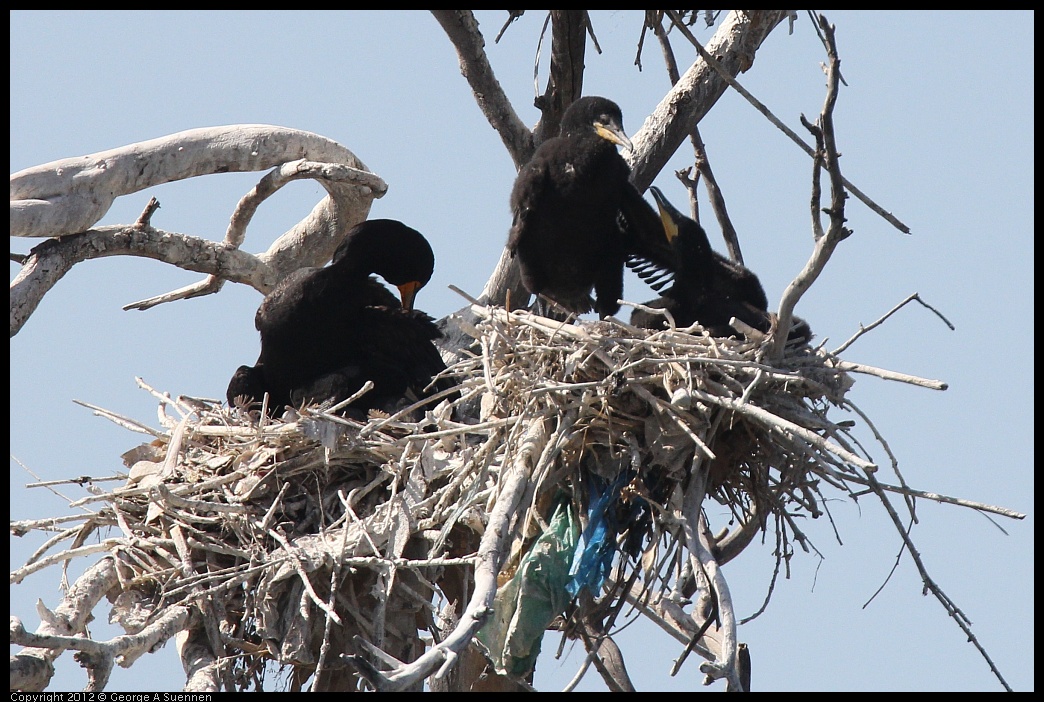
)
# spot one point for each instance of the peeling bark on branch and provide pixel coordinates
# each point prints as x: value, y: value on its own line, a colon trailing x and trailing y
x: 32, y: 668
x: 69, y: 196
x: 734, y: 44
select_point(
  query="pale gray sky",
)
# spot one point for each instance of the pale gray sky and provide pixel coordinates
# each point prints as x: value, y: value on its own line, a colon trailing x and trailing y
x: 935, y: 124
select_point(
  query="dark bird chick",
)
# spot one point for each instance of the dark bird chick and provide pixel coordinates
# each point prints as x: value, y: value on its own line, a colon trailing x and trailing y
x: 576, y: 217
x: 326, y: 331
x: 708, y: 287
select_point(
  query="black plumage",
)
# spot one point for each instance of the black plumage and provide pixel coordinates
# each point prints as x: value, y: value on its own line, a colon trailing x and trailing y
x: 326, y: 331
x: 576, y: 217
x: 708, y: 287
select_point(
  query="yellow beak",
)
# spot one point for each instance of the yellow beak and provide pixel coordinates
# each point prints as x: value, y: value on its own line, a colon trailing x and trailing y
x: 613, y: 134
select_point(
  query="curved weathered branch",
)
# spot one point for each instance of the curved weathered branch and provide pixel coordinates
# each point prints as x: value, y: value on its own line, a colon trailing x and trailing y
x: 32, y: 667
x: 51, y: 260
x: 290, y: 251
x: 72, y: 194
x: 69, y: 196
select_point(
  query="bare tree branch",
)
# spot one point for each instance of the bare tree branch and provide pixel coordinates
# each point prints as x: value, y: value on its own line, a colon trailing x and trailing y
x: 32, y: 668
x: 696, y: 539
x: 827, y: 156
x: 565, y: 83
x: 864, y: 329
x: 722, y: 69
x: 72, y: 194
x: 51, y: 260
x: 703, y: 167
x: 286, y: 252
x: 462, y: 29
x: 734, y: 43
x: 930, y: 585
x: 69, y: 196
x: 200, y: 664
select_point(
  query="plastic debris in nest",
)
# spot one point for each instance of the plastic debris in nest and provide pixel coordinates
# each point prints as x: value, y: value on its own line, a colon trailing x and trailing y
x: 630, y: 416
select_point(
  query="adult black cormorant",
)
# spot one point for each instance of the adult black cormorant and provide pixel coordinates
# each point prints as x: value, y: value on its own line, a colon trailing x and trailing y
x: 575, y: 215
x: 708, y: 287
x: 326, y: 331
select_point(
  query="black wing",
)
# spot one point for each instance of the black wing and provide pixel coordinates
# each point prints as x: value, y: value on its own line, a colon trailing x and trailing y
x: 649, y: 253
x: 392, y: 348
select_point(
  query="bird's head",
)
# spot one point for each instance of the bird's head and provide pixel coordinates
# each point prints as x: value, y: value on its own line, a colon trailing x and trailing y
x: 386, y: 247
x: 685, y: 235
x: 598, y: 113
x: 669, y: 215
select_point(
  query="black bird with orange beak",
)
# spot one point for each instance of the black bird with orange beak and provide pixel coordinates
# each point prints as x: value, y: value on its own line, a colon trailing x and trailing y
x: 326, y: 331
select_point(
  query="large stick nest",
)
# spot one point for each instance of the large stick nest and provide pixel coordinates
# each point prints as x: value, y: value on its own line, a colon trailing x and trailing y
x: 251, y: 520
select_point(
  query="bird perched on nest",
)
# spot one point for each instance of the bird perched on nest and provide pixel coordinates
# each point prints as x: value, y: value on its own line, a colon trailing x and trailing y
x: 708, y: 287
x: 326, y: 331
x: 576, y: 217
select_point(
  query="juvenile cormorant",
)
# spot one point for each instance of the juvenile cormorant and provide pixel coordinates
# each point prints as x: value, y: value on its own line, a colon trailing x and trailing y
x: 575, y: 215
x: 326, y: 331
x: 708, y: 287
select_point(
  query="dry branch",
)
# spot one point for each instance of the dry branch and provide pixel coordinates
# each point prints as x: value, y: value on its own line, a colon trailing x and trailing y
x: 462, y: 29
x: 64, y: 199
x: 735, y: 43
x: 723, y: 70
x: 71, y: 195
